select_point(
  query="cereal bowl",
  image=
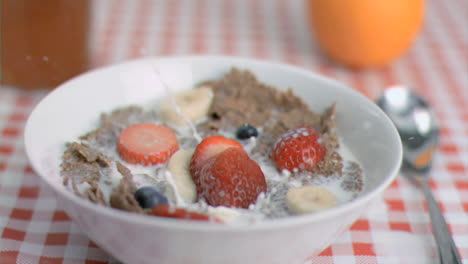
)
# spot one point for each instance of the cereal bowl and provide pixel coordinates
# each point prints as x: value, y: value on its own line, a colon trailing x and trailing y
x: 75, y: 106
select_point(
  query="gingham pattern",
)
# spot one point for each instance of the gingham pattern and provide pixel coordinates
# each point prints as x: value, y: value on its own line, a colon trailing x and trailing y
x: 395, y: 230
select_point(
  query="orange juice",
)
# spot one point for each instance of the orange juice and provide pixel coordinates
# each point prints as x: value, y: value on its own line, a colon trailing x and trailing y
x: 43, y: 43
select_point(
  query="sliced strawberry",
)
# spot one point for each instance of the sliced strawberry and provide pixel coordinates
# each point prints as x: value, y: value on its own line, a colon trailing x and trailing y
x: 147, y: 144
x: 165, y: 210
x: 298, y: 149
x: 231, y: 179
x: 208, y: 148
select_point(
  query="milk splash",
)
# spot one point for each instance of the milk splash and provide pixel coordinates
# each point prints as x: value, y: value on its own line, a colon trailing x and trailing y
x: 170, y: 94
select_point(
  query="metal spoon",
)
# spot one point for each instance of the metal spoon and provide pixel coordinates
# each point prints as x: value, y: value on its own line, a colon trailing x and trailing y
x: 419, y: 132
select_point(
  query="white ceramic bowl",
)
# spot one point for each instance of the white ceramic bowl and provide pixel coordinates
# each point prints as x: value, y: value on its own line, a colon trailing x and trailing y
x: 74, y: 107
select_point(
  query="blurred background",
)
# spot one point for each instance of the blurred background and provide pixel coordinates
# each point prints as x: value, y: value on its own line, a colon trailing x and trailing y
x: 367, y: 44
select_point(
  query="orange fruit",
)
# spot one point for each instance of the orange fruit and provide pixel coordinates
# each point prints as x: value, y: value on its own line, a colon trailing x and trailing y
x: 365, y: 33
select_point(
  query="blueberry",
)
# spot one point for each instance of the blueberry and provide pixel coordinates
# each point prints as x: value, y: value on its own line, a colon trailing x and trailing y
x: 148, y: 197
x: 246, y: 131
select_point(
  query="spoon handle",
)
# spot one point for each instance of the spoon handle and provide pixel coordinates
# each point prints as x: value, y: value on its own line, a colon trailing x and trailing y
x: 448, y: 252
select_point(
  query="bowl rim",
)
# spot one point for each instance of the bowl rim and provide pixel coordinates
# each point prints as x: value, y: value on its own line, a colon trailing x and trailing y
x: 190, y: 225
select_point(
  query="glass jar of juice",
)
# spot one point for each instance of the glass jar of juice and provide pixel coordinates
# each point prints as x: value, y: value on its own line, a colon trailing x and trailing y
x: 43, y: 42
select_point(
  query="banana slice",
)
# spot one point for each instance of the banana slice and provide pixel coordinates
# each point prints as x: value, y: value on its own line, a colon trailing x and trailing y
x: 225, y: 214
x: 179, y: 167
x: 308, y: 199
x: 190, y: 105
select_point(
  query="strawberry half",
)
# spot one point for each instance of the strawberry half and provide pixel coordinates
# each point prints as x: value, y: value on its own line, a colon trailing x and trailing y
x: 298, y: 150
x: 208, y: 148
x: 231, y: 179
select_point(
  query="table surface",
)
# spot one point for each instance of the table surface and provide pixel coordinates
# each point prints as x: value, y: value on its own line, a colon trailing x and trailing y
x: 395, y: 230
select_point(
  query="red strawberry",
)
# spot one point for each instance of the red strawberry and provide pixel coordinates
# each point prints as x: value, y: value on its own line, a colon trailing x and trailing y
x: 208, y: 148
x: 165, y: 210
x: 298, y: 149
x: 147, y: 144
x: 231, y: 178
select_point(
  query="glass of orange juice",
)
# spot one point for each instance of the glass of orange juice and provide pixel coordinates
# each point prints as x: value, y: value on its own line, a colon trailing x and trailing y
x: 43, y: 43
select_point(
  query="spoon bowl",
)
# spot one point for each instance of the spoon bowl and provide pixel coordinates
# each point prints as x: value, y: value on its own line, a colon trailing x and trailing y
x: 419, y: 131
x: 416, y: 124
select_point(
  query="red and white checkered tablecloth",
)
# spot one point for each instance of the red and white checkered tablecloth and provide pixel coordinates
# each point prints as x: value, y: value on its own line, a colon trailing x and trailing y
x: 395, y: 230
